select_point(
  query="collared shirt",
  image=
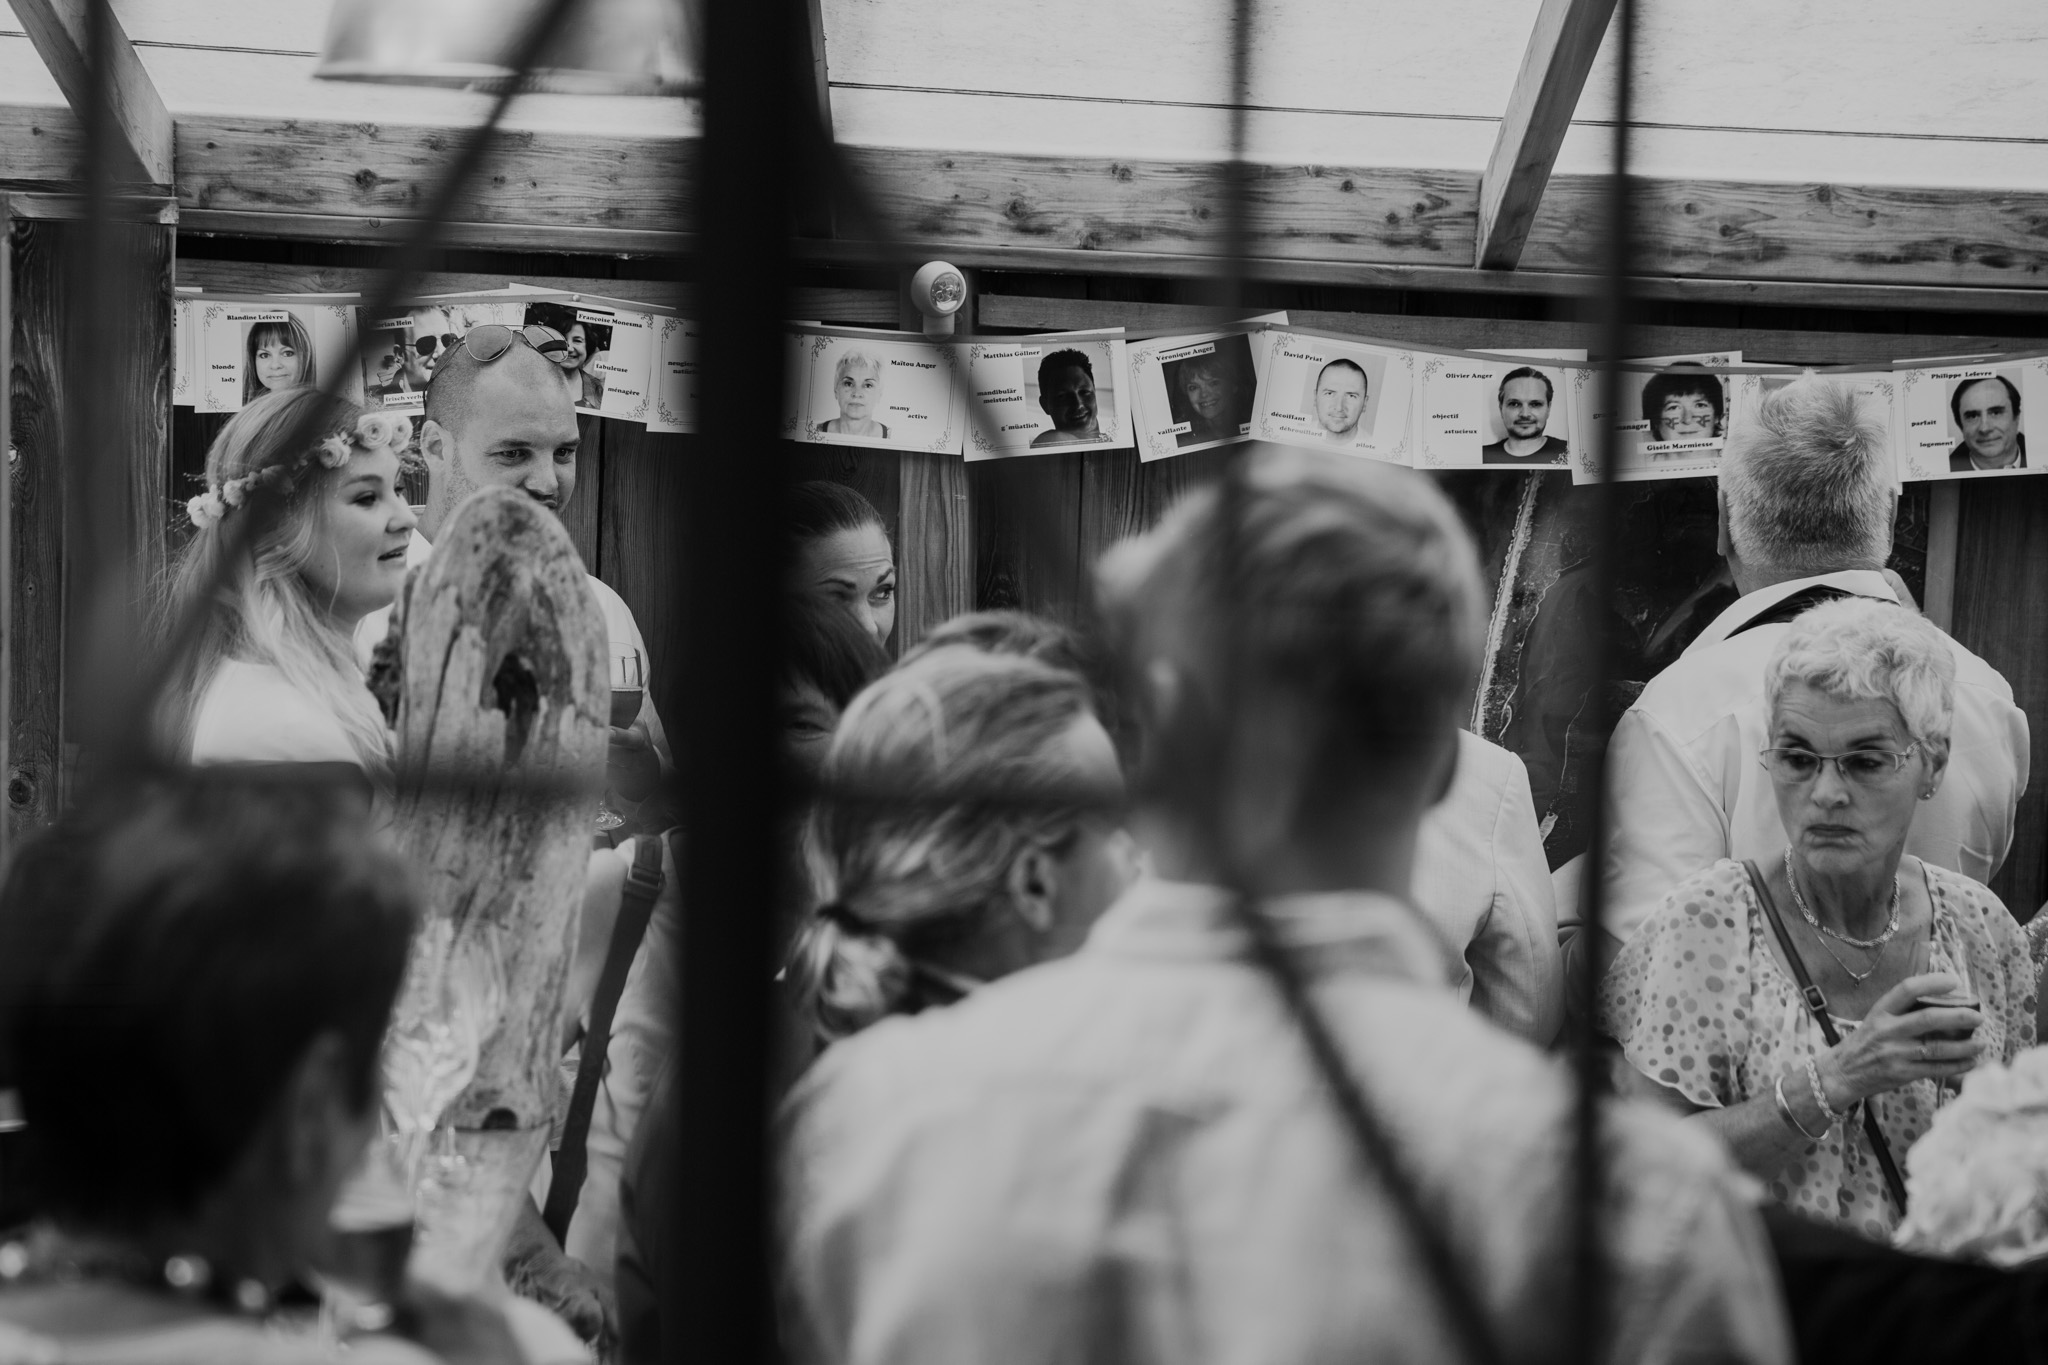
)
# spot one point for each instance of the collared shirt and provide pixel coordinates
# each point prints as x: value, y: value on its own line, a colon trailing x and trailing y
x: 1482, y: 879
x: 1687, y: 789
x: 1126, y: 1155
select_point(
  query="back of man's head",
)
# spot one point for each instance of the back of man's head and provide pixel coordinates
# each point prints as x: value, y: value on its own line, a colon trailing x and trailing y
x: 1809, y: 482
x: 1334, y: 629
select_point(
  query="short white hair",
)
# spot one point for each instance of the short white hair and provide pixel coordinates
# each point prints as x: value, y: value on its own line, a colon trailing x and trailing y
x: 1810, y: 480
x: 855, y: 358
x: 1863, y: 649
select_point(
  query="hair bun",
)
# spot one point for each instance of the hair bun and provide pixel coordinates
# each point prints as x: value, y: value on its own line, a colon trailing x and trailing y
x: 857, y: 975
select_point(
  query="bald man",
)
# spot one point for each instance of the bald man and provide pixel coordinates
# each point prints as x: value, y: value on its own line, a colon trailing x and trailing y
x: 510, y: 422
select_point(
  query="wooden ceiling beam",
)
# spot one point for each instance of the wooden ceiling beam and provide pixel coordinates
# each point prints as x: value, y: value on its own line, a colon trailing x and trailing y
x: 1561, y: 51
x: 142, y: 123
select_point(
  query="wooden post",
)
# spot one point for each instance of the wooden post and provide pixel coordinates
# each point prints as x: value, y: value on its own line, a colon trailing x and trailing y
x: 934, y: 530
x: 46, y: 617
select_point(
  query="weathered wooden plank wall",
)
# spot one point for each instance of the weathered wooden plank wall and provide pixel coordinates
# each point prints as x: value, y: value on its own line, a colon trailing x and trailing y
x: 47, y: 625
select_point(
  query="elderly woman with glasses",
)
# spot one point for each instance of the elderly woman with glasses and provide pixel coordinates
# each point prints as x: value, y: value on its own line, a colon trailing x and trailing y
x: 1710, y: 1011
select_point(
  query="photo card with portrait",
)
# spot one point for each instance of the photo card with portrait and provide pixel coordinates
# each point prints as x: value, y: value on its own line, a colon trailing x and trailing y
x: 1031, y: 394
x: 244, y: 348
x: 1672, y: 421
x: 1329, y: 391
x: 410, y: 341
x: 609, y: 357
x: 675, y: 374
x: 1477, y: 412
x: 1968, y: 420
x: 891, y: 390
x: 1195, y: 391
x: 182, y: 330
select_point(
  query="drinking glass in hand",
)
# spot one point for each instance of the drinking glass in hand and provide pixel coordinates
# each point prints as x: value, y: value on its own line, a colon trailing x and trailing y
x: 629, y: 682
x: 370, y: 1232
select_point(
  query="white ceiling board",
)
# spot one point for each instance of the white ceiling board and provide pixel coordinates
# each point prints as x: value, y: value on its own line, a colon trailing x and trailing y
x: 1810, y: 158
x: 1964, y: 68
x: 282, y: 25
x: 1065, y: 127
x: 1445, y: 57
x: 257, y: 85
x: 23, y: 77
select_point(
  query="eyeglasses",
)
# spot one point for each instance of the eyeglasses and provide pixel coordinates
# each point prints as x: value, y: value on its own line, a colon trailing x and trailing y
x: 492, y: 339
x: 1864, y: 767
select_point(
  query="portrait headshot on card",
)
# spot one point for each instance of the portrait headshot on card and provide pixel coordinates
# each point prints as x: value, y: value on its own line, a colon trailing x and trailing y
x: 858, y: 389
x: 276, y: 354
x: 1685, y: 403
x: 1984, y: 414
x: 588, y: 338
x: 391, y: 368
x: 1212, y: 392
x: 1067, y: 397
x: 1526, y: 412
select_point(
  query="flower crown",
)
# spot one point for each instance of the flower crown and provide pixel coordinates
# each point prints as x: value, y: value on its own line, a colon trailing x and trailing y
x: 373, y: 431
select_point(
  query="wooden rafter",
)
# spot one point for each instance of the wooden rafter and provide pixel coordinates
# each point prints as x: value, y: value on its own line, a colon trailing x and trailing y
x: 1561, y: 51
x: 58, y: 29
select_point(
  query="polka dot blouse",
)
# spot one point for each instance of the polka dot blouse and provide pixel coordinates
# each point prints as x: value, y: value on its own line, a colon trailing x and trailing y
x: 1699, y: 1003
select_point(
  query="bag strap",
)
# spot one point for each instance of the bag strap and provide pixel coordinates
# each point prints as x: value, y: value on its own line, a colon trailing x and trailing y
x: 1817, y: 1004
x: 572, y: 1157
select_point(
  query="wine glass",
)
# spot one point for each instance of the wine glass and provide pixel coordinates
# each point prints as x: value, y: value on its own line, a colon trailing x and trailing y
x: 361, y: 1275
x: 629, y: 685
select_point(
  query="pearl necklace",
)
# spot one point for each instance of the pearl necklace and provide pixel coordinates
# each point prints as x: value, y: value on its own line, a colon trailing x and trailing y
x: 1877, y: 944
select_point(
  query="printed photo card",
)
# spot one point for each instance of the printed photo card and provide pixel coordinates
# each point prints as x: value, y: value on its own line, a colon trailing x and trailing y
x: 1968, y: 420
x: 1673, y: 417
x: 406, y: 343
x: 1332, y: 392
x: 609, y: 356
x: 1481, y: 413
x: 243, y: 348
x: 675, y: 374
x: 1027, y: 395
x: 892, y: 390
x: 1197, y: 390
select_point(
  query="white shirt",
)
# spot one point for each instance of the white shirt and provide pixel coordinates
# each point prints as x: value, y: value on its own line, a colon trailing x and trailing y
x: 619, y: 624
x: 249, y: 713
x: 1687, y: 789
x: 1482, y: 878
x: 1126, y: 1155
x: 619, y: 628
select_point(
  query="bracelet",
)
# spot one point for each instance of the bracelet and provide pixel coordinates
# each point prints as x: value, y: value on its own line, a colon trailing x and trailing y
x: 1791, y: 1119
x: 1820, y: 1096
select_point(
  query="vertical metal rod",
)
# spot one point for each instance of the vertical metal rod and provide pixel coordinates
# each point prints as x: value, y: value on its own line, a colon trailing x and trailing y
x: 96, y: 487
x: 1590, y: 1271
x: 734, y: 556
x: 6, y: 516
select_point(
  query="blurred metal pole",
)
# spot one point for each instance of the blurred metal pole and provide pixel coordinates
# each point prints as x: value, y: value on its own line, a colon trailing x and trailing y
x: 729, y: 765
x: 1591, y: 1279
x: 99, y: 556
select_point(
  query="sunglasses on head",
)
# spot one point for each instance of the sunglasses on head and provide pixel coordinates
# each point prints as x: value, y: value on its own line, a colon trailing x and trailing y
x: 487, y: 342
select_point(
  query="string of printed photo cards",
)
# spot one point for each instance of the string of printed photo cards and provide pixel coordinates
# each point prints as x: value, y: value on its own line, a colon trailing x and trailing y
x: 1010, y: 397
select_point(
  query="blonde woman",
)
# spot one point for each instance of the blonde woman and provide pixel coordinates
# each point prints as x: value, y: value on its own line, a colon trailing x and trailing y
x: 273, y: 675
x: 932, y: 898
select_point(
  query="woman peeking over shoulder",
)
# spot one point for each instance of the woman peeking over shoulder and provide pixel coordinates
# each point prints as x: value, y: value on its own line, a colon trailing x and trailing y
x: 293, y: 546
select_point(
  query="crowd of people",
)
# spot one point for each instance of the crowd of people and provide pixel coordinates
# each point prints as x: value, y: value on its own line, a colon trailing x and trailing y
x: 1204, y: 1004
